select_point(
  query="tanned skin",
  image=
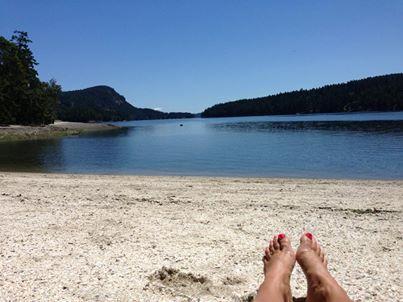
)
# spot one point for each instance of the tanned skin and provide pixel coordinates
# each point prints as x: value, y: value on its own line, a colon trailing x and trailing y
x: 279, y: 261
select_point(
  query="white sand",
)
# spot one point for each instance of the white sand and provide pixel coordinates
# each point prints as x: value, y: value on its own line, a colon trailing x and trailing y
x: 107, y: 238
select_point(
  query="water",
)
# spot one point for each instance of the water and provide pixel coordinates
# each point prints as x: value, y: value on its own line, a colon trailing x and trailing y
x: 363, y: 145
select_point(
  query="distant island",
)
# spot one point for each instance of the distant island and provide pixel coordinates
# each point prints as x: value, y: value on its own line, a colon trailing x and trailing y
x: 103, y: 103
x: 380, y: 93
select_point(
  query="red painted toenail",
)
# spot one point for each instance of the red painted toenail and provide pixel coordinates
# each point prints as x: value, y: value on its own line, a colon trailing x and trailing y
x: 309, y: 235
x: 281, y: 236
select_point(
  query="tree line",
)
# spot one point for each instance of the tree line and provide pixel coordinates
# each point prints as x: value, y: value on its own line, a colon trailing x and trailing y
x: 381, y: 93
x: 24, y: 98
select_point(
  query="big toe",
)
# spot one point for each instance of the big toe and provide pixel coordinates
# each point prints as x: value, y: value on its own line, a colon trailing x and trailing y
x: 284, y: 241
x: 307, y: 241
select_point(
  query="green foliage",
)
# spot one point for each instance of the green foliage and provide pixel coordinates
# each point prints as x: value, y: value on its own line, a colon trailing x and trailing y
x: 103, y: 103
x: 24, y: 99
x: 382, y: 93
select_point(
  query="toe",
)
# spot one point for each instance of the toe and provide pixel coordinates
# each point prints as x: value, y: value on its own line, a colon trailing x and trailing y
x: 315, y: 246
x: 284, y: 242
x: 276, y: 244
x: 267, y: 253
x: 321, y: 254
x: 271, y: 247
x: 306, y: 238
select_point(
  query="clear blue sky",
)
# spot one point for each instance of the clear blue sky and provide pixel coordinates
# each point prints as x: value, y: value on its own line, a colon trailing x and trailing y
x: 188, y: 55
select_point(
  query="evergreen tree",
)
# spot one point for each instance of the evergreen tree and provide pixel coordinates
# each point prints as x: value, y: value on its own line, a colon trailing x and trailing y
x: 24, y: 99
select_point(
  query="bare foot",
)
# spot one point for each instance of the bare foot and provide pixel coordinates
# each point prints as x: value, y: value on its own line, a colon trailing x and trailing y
x: 311, y: 256
x: 279, y: 257
x: 321, y: 285
x: 279, y: 261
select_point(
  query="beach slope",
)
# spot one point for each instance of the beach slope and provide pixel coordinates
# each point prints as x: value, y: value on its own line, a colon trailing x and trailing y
x: 140, y: 238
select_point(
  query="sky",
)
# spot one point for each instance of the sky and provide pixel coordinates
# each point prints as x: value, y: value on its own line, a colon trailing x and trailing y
x: 188, y: 55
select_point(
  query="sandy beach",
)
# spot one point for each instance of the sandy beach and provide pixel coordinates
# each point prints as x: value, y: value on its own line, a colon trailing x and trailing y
x: 143, y: 238
x: 57, y: 129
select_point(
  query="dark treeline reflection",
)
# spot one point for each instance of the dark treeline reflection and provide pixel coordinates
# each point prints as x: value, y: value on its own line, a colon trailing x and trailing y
x: 317, y: 146
x: 32, y: 156
x: 119, y: 132
x: 57, y: 155
x: 353, y: 126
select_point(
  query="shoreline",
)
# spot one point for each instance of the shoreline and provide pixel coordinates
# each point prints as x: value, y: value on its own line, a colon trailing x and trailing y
x: 310, y: 114
x: 200, y: 176
x: 114, y: 237
x: 55, y: 130
x: 210, y: 177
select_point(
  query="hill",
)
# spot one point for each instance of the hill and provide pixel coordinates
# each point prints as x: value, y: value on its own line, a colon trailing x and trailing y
x: 103, y: 103
x: 381, y: 93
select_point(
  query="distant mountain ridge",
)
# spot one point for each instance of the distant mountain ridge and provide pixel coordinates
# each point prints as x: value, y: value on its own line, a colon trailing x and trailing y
x: 103, y: 103
x: 380, y: 93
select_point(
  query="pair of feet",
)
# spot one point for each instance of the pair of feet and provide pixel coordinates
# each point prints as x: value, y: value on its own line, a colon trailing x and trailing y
x: 279, y: 261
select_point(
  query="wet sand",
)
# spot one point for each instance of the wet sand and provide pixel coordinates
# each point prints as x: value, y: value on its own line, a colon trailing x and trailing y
x: 143, y: 238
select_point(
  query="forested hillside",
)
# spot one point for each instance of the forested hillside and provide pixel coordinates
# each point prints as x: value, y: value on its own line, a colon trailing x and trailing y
x: 25, y: 100
x: 103, y: 103
x: 381, y: 93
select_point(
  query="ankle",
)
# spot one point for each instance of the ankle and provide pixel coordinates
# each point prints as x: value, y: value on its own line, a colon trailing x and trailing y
x: 319, y: 284
x: 274, y: 286
x: 279, y: 285
x: 281, y: 280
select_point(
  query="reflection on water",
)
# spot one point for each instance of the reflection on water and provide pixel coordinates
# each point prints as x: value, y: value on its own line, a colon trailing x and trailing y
x: 332, y: 146
x: 118, y: 132
x: 35, y: 156
x: 335, y: 126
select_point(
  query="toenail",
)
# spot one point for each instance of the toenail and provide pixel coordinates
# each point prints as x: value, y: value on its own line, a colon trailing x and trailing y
x: 281, y: 236
x: 309, y: 235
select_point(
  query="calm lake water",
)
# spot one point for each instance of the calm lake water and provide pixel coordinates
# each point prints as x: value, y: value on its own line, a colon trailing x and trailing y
x: 363, y: 145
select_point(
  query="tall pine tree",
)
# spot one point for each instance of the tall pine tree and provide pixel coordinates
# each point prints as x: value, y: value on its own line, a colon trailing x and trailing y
x: 24, y: 99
